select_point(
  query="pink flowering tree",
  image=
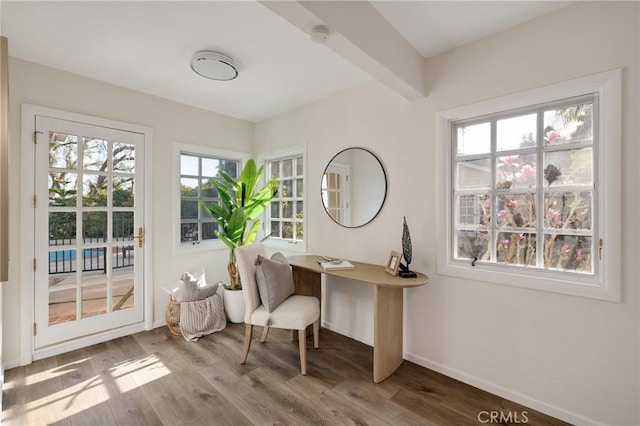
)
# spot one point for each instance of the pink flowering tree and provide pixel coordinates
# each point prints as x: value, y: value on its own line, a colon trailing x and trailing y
x: 561, y: 190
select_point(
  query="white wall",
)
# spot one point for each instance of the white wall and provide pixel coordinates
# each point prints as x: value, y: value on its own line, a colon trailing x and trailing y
x: 571, y: 357
x: 171, y: 122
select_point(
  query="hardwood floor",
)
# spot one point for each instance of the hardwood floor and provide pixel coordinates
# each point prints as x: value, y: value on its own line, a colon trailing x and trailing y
x: 155, y: 378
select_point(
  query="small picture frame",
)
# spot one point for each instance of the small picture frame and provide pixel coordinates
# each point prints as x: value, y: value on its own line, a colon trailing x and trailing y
x: 393, y: 263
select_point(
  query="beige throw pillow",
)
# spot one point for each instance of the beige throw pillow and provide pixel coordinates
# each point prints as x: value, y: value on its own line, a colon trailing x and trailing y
x: 275, y: 282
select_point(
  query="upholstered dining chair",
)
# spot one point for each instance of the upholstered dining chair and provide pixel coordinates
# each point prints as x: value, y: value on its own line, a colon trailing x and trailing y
x: 295, y: 312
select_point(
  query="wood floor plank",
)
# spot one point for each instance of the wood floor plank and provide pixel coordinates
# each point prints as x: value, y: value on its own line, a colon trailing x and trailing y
x: 341, y: 410
x: 244, y: 397
x: 156, y: 378
x: 302, y: 410
x: 376, y: 400
x: 126, y: 400
x: 44, y: 393
x: 13, y: 397
x: 84, y: 389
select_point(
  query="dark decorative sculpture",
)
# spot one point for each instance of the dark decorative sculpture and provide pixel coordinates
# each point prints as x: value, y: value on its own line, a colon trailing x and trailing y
x: 406, y: 252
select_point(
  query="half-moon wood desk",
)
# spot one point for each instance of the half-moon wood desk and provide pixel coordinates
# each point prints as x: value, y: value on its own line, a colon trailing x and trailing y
x: 387, y: 304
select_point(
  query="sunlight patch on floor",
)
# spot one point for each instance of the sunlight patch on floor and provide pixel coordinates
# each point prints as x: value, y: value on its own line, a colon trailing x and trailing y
x: 134, y: 373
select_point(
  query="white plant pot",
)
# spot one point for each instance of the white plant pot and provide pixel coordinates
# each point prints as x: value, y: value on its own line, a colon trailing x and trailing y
x: 234, y: 305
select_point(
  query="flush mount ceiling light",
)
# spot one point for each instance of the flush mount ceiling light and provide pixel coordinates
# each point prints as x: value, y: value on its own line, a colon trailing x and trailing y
x: 213, y: 65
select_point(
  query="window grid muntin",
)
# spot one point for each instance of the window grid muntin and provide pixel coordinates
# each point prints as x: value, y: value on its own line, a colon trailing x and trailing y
x: 203, y: 217
x: 540, y: 149
x: 292, y: 197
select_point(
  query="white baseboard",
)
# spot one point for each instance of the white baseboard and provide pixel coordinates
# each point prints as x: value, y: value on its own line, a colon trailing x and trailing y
x: 347, y: 333
x: 158, y: 323
x: 503, y: 392
x: 12, y: 363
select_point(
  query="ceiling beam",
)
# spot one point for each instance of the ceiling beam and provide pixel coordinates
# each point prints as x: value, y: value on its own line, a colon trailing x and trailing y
x: 362, y: 36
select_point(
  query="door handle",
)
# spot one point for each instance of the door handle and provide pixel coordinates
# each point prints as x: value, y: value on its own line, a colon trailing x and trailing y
x: 140, y: 237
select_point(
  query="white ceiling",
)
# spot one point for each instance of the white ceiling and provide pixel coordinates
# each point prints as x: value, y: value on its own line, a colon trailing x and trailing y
x: 146, y: 46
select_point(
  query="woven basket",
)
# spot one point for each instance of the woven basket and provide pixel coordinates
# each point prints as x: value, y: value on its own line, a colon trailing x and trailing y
x: 172, y: 316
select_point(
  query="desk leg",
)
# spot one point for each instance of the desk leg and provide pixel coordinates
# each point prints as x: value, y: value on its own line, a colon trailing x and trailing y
x: 307, y: 283
x: 387, y: 332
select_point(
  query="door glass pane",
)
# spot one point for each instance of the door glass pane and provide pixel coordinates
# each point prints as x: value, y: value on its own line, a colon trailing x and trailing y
x: 94, y: 227
x: 63, y: 151
x: 62, y: 267
x: 62, y: 228
x: 62, y: 189
x: 124, y: 159
x: 123, y: 295
x: 94, y: 300
x: 93, y: 263
x: 122, y: 226
x: 122, y: 258
x: 62, y: 306
x: 94, y: 191
x: 94, y: 156
x: 123, y: 192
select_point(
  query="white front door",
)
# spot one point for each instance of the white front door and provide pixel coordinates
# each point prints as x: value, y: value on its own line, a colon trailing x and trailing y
x: 88, y: 230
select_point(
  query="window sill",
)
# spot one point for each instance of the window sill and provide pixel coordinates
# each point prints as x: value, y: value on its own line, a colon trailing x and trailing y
x: 203, y: 247
x: 284, y: 245
x: 566, y: 283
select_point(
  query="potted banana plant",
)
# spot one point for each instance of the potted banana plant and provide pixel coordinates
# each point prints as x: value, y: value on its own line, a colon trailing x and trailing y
x: 242, y: 202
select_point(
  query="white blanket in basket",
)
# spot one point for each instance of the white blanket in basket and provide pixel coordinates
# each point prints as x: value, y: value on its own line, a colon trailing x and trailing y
x: 202, y: 317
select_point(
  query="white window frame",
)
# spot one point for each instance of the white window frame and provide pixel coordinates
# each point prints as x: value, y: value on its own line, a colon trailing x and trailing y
x: 202, y: 151
x: 605, y: 284
x: 289, y: 152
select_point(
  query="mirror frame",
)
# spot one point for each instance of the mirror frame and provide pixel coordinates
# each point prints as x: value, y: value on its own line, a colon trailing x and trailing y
x: 386, y: 187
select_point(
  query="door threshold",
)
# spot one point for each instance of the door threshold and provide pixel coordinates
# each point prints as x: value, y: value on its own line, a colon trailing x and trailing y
x: 83, y: 342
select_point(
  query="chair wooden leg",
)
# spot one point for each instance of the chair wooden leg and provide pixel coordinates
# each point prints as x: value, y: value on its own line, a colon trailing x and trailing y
x: 265, y: 331
x: 316, y: 333
x: 302, y: 343
x: 248, y: 332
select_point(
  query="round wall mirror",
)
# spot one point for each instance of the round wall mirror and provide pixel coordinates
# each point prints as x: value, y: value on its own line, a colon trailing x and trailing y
x: 354, y: 187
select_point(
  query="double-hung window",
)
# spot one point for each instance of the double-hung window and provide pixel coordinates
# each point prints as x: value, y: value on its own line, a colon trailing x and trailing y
x: 197, y: 171
x: 285, y: 216
x: 531, y: 196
